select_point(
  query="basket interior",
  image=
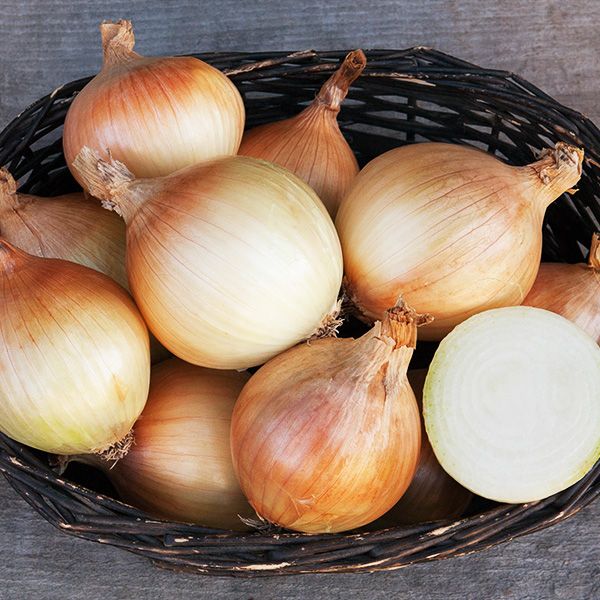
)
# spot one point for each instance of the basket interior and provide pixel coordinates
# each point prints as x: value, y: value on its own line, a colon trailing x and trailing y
x: 404, y: 96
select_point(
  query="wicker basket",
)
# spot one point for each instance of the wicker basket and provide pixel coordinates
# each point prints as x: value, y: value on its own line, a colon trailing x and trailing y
x: 403, y: 96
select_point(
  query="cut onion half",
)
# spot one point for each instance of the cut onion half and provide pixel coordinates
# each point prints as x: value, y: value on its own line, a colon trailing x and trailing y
x: 512, y: 404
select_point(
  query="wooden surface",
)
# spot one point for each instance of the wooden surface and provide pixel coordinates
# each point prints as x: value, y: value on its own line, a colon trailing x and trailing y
x: 560, y: 563
x: 554, y: 44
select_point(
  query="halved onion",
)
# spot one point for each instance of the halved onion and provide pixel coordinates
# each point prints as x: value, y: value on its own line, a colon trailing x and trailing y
x: 512, y: 404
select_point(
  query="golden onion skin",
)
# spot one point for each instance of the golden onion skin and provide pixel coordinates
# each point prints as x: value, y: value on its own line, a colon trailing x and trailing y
x: 155, y: 114
x: 453, y: 230
x: 180, y: 467
x: 572, y: 291
x: 325, y: 437
x: 70, y: 227
x: 311, y: 144
x: 74, y: 355
x: 231, y: 261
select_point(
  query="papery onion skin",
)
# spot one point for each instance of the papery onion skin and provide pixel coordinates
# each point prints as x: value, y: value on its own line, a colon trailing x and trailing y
x: 453, y: 229
x: 511, y: 406
x: 326, y: 436
x: 156, y: 114
x: 69, y: 227
x: 311, y: 144
x: 74, y: 355
x: 572, y: 291
x: 180, y: 464
x: 432, y: 495
x: 231, y: 261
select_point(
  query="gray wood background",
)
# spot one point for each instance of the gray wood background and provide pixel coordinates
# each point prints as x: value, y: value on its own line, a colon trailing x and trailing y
x: 553, y: 43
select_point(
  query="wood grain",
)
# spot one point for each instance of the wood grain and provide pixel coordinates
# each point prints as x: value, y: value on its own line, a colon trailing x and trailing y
x: 553, y: 43
x: 39, y: 562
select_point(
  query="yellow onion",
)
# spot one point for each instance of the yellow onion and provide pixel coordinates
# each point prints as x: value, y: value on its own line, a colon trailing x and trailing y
x: 326, y: 436
x: 156, y: 114
x: 432, y: 495
x: 74, y: 357
x: 70, y: 227
x: 179, y: 466
x: 572, y: 291
x: 231, y: 261
x: 453, y: 229
x: 311, y: 144
x: 511, y: 404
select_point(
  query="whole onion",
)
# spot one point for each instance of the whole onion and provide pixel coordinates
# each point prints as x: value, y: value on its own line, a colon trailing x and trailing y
x: 156, y: 114
x: 180, y: 464
x: 572, y: 291
x: 231, y: 261
x: 453, y: 230
x: 326, y: 436
x: 74, y: 356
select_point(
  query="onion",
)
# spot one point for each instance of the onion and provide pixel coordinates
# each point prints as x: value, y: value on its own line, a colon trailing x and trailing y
x: 572, y: 291
x: 230, y: 262
x: 157, y: 115
x: 74, y: 357
x: 512, y: 404
x: 180, y: 464
x: 69, y: 227
x: 326, y: 436
x: 452, y: 229
x: 432, y: 495
x: 311, y: 144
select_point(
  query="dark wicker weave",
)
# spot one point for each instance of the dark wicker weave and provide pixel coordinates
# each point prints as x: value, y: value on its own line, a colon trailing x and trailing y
x: 403, y: 96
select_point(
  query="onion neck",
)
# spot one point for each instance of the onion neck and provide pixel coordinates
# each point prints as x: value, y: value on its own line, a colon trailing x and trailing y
x: 335, y: 89
x: 594, y: 258
x: 401, y: 322
x: 388, y: 345
x: 557, y: 171
x: 112, y: 182
x: 117, y: 42
x: 127, y: 200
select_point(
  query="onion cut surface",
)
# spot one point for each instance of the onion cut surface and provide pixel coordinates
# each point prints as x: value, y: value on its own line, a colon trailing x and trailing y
x: 512, y: 404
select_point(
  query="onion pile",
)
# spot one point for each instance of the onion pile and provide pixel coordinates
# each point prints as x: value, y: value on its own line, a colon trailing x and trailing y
x: 233, y: 261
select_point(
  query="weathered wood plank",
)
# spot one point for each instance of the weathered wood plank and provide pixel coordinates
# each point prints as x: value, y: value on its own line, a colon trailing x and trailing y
x: 44, y: 43
x: 40, y: 562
